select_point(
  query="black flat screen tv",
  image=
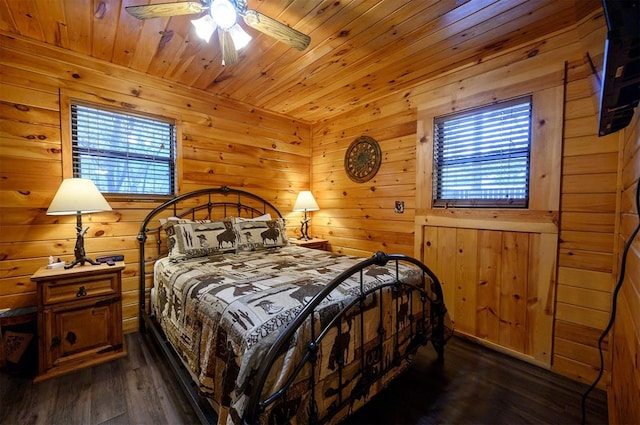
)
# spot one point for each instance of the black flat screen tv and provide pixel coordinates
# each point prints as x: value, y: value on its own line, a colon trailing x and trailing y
x: 620, y: 87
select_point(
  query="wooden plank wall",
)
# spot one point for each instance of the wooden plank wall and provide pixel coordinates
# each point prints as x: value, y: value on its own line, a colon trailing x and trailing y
x: 359, y: 218
x: 498, y: 283
x: 498, y: 266
x: 588, y: 220
x: 223, y: 143
x: 624, y: 397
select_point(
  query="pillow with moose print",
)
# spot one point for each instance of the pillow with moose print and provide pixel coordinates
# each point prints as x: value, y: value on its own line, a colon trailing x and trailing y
x: 168, y: 224
x: 202, y: 239
x: 260, y: 234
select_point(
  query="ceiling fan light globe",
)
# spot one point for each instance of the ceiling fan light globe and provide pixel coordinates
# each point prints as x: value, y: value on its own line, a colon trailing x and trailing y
x: 239, y: 36
x: 223, y: 13
x: 205, y: 27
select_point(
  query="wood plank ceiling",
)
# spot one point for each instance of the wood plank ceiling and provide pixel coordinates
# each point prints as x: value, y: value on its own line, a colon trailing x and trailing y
x: 360, y: 50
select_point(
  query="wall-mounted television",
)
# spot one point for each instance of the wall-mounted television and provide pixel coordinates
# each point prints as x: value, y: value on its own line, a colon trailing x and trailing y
x: 620, y: 88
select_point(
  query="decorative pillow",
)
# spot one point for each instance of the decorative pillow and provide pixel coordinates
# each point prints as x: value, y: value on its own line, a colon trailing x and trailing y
x: 201, y: 239
x: 260, y: 234
x: 172, y: 243
x: 168, y: 224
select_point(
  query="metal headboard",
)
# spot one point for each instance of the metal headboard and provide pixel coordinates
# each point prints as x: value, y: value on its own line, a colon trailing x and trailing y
x: 202, y: 204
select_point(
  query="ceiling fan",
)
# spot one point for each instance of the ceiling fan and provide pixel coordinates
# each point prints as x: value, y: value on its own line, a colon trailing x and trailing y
x: 222, y: 15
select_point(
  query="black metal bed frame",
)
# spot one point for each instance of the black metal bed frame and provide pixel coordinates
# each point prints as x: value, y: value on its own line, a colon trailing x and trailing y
x: 422, y: 329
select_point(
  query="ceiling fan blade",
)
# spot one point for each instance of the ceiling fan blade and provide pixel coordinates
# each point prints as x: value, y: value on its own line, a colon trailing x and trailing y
x: 276, y: 29
x: 229, y: 53
x: 165, y: 9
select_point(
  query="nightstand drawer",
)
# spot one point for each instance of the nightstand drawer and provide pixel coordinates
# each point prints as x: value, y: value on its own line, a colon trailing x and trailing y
x: 55, y: 291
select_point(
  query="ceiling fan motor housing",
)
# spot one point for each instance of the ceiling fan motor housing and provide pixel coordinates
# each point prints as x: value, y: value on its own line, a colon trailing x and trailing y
x: 224, y: 13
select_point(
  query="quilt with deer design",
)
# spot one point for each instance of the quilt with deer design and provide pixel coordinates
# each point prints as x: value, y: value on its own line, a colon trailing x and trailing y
x: 221, y: 313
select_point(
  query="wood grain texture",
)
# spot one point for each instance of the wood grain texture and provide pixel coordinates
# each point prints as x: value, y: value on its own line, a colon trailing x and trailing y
x: 513, y: 284
x: 588, y: 223
x: 135, y: 389
x: 499, y: 285
x: 583, y: 197
x: 625, y: 387
x: 359, y: 52
x: 494, y: 389
x: 474, y: 385
x: 344, y: 86
x: 219, y: 144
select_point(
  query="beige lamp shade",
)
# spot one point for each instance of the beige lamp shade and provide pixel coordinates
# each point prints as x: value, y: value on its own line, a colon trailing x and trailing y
x: 77, y: 195
x: 305, y: 202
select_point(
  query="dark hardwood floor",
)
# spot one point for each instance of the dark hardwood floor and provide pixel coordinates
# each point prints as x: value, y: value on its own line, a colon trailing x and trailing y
x: 133, y: 390
x: 474, y: 386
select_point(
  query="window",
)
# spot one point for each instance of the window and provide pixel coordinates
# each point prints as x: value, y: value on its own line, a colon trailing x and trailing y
x: 123, y: 153
x: 481, y: 156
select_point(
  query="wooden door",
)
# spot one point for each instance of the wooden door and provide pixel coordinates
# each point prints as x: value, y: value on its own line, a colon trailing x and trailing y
x: 81, y: 330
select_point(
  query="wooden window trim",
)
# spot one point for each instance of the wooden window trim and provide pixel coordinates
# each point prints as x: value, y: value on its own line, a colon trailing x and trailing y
x: 118, y: 103
x: 546, y: 153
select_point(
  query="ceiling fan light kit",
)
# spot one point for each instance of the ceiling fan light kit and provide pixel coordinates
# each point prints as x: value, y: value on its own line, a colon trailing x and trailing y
x: 223, y: 15
x: 239, y: 36
x: 205, y: 27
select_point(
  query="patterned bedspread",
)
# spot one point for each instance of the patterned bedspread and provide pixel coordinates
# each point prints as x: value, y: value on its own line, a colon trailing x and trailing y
x: 220, y: 313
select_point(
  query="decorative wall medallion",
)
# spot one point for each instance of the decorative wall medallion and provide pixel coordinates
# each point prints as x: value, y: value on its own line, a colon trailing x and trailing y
x: 362, y: 160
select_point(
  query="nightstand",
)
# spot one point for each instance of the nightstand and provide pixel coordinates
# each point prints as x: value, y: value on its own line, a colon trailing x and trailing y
x: 313, y: 243
x: 79, y: 317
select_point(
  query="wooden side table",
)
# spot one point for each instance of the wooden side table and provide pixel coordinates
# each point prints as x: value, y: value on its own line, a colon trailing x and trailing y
x: 79, y: 317
x: 313, y: 243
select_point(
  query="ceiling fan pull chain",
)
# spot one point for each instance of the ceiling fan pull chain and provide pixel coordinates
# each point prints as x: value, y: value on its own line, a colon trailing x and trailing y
x: 223, y: 43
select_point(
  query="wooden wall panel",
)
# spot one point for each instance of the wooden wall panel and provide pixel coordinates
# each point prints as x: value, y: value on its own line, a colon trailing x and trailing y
x: 229, y: 143
x: 624, y: 400
x: 582, y: 209
x: 497, y: 285
x: 513, y: 284
x: 513, y: 290
x: 466, y: 249
x: 586, y: 257
x: 223, y: 143
x: 446, y: 271
x: 359, y: 218
x: 489, y: 270
x: 541, y: 294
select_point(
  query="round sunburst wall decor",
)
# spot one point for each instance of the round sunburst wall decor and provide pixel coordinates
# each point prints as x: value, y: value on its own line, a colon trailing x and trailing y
x: 363, y: 158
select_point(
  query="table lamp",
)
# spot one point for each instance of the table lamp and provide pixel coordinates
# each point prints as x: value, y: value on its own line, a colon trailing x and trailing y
x: 78, y: 196
x: 305, y: 202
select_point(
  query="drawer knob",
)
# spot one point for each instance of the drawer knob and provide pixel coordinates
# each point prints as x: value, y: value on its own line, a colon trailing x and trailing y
x: 55, y: 341
x: 71, y: 338
x: 82, y: 292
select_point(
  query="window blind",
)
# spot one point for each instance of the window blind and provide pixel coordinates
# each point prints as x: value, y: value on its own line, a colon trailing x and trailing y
x: 481, y: 157
x: 123, y: 153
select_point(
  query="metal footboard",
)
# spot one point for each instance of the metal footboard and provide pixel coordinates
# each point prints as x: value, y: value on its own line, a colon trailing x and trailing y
x: 427, y: 324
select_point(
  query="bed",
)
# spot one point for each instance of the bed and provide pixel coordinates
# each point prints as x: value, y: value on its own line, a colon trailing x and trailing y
x: 261, y: 331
